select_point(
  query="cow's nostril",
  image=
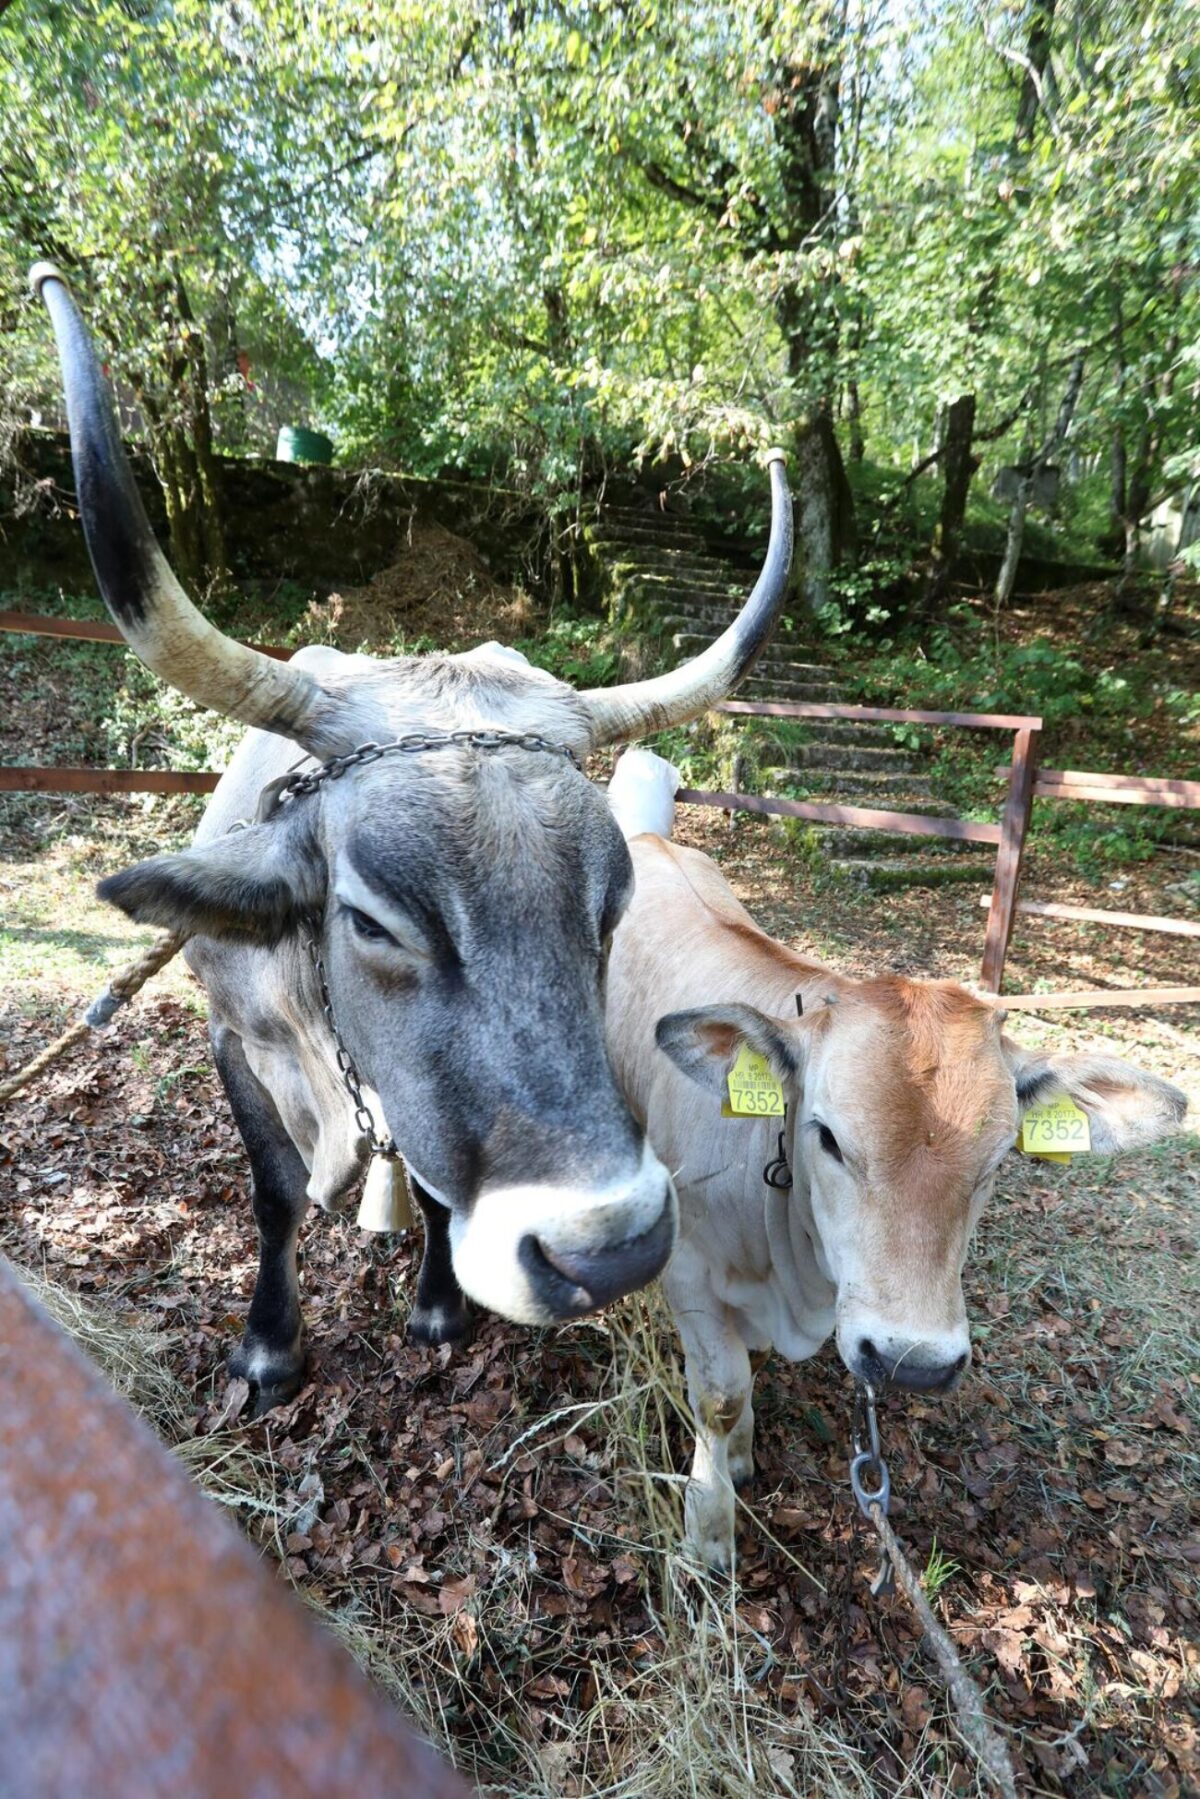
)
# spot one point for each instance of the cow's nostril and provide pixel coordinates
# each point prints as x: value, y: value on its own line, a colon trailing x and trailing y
x: 571, y: 1282
x: 874, y: 1367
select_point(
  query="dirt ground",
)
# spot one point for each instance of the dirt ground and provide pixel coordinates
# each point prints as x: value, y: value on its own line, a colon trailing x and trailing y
x: 493, y: 1529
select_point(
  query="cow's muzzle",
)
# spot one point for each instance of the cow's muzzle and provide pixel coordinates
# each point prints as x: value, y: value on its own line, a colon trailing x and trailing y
x: 570, y: 1283
x: 541, y: 1253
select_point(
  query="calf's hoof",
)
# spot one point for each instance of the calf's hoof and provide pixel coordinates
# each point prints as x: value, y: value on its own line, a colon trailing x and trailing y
x: 432, y: 1325
x: 741, y: 1471
x: 709, y: 1535
x: 274, y: 1376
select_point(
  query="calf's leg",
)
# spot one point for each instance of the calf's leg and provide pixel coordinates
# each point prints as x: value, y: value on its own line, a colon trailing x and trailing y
x: 441, y: 1312
x: 717, y: 1364
x: 271, y: 1354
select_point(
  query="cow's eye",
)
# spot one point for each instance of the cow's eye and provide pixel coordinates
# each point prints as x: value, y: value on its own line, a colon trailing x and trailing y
x: 829, y: 1143
x: 366, y: 927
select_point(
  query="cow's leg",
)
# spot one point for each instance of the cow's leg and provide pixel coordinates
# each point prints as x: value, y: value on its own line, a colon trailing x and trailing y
x: 271, y: 1353
x: 741, y: 1437
x: 717, y: 1364
x: 441, y: 1312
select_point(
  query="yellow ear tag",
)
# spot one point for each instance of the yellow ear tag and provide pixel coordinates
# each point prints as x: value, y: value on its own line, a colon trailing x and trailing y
x: 754, y: 1087
x: 1056, y: 1131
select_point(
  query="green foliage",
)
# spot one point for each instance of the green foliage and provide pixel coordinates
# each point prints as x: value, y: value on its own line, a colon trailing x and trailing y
x: 578, y: 650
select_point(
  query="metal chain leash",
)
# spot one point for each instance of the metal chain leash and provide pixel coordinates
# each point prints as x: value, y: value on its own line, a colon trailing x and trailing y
x: 867, y: 1465
x: 363, y: 1117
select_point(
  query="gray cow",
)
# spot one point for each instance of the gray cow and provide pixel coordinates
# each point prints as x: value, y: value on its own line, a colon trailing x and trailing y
x: 444, y: 907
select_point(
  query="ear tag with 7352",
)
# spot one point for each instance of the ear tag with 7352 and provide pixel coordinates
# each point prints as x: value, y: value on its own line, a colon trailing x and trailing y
x: 1055, y: 1131
x: 755, y: 1090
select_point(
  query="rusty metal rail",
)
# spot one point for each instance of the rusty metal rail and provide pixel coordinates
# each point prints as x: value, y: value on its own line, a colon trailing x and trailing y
x: 143, y: 1648
x: 94, y: 630
x: 103, y: 780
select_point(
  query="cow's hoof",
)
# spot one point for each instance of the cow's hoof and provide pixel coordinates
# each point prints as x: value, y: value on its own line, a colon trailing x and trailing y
x: 432, y: 1325
x: 273, y: 1376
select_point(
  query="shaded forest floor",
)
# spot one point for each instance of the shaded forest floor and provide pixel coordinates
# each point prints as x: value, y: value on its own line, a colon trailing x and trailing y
x: 495, y: 1529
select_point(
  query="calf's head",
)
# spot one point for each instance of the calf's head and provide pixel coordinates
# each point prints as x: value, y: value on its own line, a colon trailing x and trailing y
x: 462, y: 897
x: 903, y: 1099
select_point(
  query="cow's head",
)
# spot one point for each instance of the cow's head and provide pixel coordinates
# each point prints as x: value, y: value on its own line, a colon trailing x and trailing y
x: 463, y: 897
x: 903, y: 1099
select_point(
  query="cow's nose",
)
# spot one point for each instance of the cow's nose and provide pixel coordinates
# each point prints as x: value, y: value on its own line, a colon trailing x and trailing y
x: 570, y: 1282
x: 908, y: 1370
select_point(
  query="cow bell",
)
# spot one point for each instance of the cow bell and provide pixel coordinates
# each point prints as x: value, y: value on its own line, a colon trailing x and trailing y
x: 385, y: 1203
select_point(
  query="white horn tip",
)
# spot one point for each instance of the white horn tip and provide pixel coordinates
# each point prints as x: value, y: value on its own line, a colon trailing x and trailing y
x: 41, y: 272
x: 776, y: 456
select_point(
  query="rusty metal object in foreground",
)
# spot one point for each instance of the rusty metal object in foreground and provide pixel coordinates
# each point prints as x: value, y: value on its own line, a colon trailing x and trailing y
x: 143, y: 1648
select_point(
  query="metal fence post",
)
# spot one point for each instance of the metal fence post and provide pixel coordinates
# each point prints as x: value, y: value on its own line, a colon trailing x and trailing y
x: 1013, y: 828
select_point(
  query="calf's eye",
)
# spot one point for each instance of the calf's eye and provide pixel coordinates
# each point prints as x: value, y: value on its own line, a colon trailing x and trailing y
x: 829, y: 1143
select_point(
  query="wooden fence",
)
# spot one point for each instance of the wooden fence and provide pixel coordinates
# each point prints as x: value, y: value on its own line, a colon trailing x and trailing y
x: 1026, y: 783
x: 143, y: 1648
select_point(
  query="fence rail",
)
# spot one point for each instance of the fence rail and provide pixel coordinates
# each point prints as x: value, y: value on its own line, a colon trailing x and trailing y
x: 95, y: 630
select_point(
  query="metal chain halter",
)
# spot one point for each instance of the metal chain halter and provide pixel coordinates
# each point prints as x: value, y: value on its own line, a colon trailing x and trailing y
x: 294, y: 786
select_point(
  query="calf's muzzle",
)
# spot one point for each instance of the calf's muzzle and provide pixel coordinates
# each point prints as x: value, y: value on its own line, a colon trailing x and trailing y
x: 913, y: 1368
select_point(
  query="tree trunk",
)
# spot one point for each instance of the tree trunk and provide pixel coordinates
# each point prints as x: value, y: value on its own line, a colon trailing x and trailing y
x: 858, y: 447
x: 1016, y: 519
x: 824, y: 510
x: 958, y: 465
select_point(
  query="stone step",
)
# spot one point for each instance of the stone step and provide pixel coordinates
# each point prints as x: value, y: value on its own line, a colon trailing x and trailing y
x: 665, y: 556
x: 769, y: 687
x: 702, y: 590
x: 832, y: 730
x: 902, y: 792
x: 607, y: 529
x: 682, y: 563
x: 848, y: 842
x: 692, y: 642
x: 888, y: 876
x: 767, y: 691
x: 649, y: 517
x: 838, y: 755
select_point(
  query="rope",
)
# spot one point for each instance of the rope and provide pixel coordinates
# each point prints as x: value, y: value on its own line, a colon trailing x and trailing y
x: 121, y: 988
x: 981, y: 1735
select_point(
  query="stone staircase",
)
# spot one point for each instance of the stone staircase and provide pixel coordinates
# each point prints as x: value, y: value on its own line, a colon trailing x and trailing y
x: 662, y: 577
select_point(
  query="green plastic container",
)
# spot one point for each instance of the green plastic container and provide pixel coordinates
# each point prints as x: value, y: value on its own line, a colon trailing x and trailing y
x: 295, y: 444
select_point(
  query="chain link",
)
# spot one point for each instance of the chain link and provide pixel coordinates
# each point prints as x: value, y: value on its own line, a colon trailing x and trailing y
x: 868, y: 1460
x: 416, y: 743
x: 380, y: 1145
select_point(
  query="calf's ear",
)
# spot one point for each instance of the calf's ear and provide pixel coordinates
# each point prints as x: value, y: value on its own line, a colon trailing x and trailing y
x: 1126, y: 1106
x: 252, y: 886
x: 704, y: 1042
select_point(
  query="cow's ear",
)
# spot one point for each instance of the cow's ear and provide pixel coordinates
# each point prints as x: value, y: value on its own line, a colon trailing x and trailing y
x: 1125, y: 1105
x: 254, y: 885
x: 703, y: 1043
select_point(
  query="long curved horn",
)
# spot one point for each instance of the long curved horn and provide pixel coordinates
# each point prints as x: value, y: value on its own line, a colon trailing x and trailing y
x: 153, y: 613
x: 640, y: 707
